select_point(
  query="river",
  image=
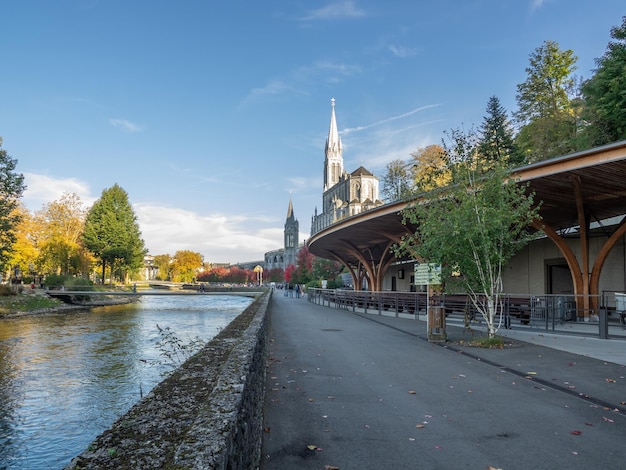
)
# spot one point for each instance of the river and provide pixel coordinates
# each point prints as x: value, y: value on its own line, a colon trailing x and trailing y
x: 65, y: 378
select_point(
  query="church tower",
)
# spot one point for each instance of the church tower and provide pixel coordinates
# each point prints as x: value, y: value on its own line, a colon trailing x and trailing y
x: 333, y: 163
x: 292, y: 230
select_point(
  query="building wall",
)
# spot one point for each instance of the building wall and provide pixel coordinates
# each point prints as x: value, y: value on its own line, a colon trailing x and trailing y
x: 527, y: 273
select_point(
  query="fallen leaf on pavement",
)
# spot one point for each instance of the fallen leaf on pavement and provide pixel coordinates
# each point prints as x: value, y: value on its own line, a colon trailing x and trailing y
x: 576, y: 433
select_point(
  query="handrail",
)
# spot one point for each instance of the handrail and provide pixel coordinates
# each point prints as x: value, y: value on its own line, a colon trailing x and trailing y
x: 545, y: 311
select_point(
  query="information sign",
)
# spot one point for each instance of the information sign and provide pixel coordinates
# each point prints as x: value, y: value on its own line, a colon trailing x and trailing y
x: 427, y: 274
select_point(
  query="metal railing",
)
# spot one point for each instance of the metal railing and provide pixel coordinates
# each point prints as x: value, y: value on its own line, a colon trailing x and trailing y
x: 557, y: 313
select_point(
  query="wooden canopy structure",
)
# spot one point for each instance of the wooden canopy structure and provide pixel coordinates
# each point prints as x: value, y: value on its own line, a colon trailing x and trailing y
x: 575, y: 191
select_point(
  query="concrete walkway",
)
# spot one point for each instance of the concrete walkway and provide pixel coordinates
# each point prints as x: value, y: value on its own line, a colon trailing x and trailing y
x: 355, y: 391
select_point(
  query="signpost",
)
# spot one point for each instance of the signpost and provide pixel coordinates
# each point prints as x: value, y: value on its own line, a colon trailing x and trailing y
x: 429, y: 274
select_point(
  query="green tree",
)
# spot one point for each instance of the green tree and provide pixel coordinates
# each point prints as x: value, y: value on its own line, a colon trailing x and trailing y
x: 11, y: 189
x: 545, y: 112
x: 497, y: 141
x: 396, y: 181
x: 163, y: 264
x: 604, y: 94
x: 326, y: 269
x: 186, y: 265
x: 112, y: 234
x: 472, y: 227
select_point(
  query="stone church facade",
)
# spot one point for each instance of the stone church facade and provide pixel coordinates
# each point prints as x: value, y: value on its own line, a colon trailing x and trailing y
x: 345, y: 194
x: 288, y: 254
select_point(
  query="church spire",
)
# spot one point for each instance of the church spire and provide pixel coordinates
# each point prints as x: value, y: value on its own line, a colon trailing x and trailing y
x: 290, y: 209
x: 333, y: 164
x: 333, y: 142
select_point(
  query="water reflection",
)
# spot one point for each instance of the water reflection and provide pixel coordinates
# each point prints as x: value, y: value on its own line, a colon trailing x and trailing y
x: 65, y: 378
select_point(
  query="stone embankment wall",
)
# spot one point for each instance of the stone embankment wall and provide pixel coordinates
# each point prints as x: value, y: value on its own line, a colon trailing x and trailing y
x: 207, y: 415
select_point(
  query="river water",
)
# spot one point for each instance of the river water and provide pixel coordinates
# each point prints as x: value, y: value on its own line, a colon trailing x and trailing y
x: 65, y: 378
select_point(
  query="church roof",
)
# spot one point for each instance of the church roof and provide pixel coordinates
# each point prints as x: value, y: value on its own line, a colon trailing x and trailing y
x: 361, y: 171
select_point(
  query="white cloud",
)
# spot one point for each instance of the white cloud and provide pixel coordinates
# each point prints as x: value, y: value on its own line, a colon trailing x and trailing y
x: 301, y: 183
x: 334, y: 72
x: 218, y: 237
x: 125, y: 125
x: 272, y: 88
x: 301, y: 78
x: 386, y: 120
x: 335, y: 11
x: 537, y: 4
x: 43, y: 189
x: 401, y: 51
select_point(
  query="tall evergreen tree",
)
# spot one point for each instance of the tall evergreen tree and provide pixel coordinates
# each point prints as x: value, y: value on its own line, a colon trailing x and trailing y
x: 545, y: 109
x: 112, y: 233
x: 604, y: 94
x: 11, y: 189
x: 497, y: 143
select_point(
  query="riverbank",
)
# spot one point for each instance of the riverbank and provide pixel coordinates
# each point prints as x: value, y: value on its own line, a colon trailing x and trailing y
x: 38, y: 303
x: 207, y: 414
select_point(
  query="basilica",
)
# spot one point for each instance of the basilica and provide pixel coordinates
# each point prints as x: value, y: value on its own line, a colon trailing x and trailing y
x: 344, y: 195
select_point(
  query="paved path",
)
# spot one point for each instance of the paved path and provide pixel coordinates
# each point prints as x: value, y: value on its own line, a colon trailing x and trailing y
x: 355, y: 391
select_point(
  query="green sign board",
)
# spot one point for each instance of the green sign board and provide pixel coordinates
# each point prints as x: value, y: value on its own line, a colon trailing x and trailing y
x: 427, y: 274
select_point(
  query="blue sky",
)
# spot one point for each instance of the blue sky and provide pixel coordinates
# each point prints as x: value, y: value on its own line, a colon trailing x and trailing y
x: 210, y: 114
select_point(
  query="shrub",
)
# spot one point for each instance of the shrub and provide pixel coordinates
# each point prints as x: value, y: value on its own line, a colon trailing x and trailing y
x: 78, y: 282
x: 55, y: 280
x: 6, y: 290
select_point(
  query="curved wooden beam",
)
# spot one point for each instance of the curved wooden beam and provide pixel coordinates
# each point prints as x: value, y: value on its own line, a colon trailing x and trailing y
x: 567, y: 252
x: 594, y: 281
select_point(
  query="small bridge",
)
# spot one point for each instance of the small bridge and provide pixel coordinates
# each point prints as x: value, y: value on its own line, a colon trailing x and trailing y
x: 81, y: 296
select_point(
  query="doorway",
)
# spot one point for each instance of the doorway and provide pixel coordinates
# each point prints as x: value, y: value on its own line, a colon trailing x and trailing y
x: 558, y: 277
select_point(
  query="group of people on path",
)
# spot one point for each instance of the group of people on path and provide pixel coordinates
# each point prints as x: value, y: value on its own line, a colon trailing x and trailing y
x: 291, y: 288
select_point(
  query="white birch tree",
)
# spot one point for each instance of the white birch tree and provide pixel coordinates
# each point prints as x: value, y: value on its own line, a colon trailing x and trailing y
x: 473, y: 226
